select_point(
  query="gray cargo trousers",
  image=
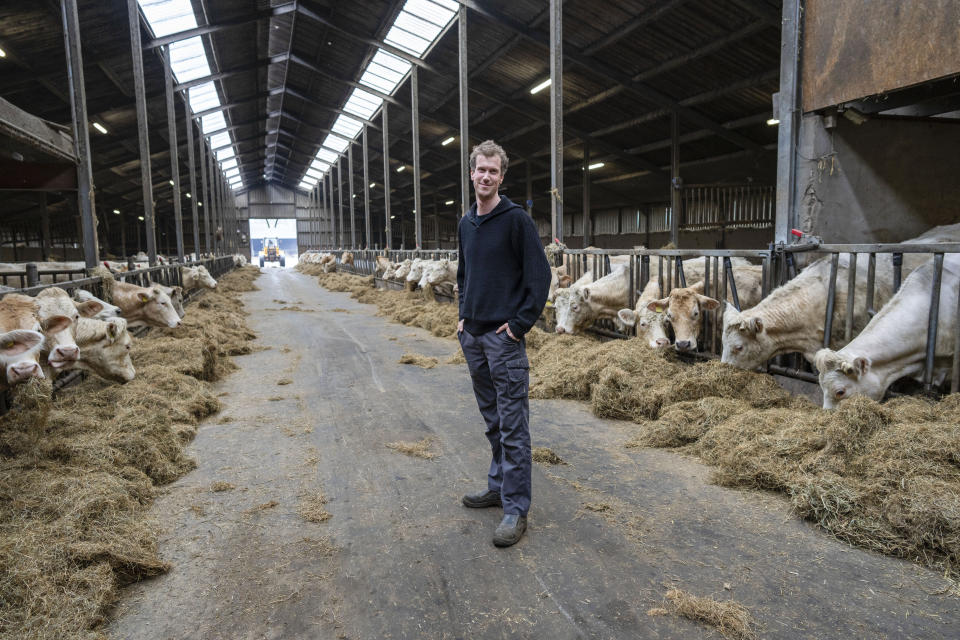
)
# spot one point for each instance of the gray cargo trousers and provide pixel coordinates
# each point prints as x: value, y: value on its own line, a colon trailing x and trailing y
x: 501, y: 379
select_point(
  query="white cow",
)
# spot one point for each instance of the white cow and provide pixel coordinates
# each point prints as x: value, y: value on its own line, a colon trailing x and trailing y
x: 893, y: 344
x: 58, y: 315
x: 105, y: 348
x: 20, y: 339
x: 581, y: 305
x: 791, y: 318
x: 197, y: 277
x: 91, y: 306
x: 143, y: 306
x: 176, y: 297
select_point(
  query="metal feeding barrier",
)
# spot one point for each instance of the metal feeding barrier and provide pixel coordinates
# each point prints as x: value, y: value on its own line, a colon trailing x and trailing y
x: 779, y: 264
x: 167, y: 274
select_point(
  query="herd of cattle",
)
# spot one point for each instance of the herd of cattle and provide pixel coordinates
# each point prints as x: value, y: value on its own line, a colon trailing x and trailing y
x: 888, y: 345
x: 45, y: 335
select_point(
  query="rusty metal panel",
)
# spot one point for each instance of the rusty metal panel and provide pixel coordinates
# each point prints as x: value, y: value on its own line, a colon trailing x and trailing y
x: 853, y: 49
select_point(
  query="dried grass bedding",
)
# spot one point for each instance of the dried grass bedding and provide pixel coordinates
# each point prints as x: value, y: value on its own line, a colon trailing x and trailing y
x: 78, y: 472
x: 885, y: 477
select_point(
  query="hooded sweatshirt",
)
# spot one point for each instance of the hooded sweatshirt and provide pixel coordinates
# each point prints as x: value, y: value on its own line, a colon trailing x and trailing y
x: 503, y: 274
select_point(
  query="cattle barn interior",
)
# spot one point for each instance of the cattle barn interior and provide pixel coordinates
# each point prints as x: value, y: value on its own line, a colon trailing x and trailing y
x: 796, y: 160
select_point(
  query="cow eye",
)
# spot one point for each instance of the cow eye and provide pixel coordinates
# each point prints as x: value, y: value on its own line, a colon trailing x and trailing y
x: 695, y: 313
x: 840, y: 393
x: 576, y: 307
x: 737, y: 348
x: 643, y: 324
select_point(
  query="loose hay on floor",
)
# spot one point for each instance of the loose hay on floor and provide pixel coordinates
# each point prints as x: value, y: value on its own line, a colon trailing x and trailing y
x: 425, y: 362
x: 284, y: 381
x: 420, y: 449
x: 543, y: 455
x: 312, y: 508
x: 78, y: 473
x: 220, y: 485
x: 729, y: 618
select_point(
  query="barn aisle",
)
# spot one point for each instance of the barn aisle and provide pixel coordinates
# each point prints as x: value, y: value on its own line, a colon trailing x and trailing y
x: 610, y: 531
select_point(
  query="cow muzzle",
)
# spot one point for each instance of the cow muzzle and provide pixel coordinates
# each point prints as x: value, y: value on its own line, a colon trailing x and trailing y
x: 22, y: 371
x: 561, y: 329
x: 684, y: 345
x: 63, y: 356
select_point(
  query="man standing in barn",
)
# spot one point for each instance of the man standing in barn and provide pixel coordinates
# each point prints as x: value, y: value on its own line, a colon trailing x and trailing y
x: 503, y: 279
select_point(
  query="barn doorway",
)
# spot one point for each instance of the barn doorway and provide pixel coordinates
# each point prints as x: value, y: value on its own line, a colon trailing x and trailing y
x: 278, y: 232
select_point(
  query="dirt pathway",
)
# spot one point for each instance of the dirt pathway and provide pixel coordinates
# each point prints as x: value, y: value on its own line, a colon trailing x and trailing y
x: 610, y: 531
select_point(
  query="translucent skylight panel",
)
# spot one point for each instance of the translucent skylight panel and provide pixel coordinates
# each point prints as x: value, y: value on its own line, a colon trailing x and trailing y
x: 327, y: 155
x: 391, y: 61
x: 386, y: 73
x: 362, y: 103
x: 213, y: 122
x: 232, y: 172
x: 409, y: 22
x: 203, y: 97
x: 188, y: 60
x: 375, y: 81
x: 406, y: 41
x: 225, y: 154
x: 437, y: 12
x: 229, y: 164
x: 336, y: 142
x: 347, y: 127
x: 168, y: 16
x: 219, y: 140
x: 316, y: 175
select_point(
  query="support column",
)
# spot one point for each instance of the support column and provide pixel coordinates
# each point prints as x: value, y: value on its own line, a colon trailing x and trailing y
x: 436, y: 223
x: 464, y: 113
x: 45, y: 227
x: 123, y: 236
x: 675, y: 181
x: 556, y: 118
x: 188, y: 122
x: 388, y: 232
x: 353, y: 217
x: 174, y: 152
x: 415, y: 134
x: 323, y: 212
x: 788, y: 112
x: 342, y: 237
x: 366, y: 190
x: 143, y: 130
x: 81, y: 133
x: 587, y: 220
x: 207, y: 193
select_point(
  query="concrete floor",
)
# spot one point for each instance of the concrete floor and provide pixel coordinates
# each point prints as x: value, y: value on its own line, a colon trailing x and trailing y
x: 610, y: 532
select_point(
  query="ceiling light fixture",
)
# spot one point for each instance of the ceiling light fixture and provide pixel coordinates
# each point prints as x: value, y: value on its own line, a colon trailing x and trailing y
x: 595, y: 165
x: 400, y: 168
x: 188, y: 195
x: 540, y: 87
x: 447, y: 141
x: 3, y: 54
x: 99, y: 127
x: 171, y: 183
x: 448, y: 202
x: 373, y: 184
x: 116, y: 211
x: 773, y: 121
x: 140, y: 218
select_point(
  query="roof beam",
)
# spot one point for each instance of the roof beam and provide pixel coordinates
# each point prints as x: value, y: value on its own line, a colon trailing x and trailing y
x: 648, y: 16
x: 598, y: 67
x: 237, y: 103
x: 230, y: 72
x: 220, y: 26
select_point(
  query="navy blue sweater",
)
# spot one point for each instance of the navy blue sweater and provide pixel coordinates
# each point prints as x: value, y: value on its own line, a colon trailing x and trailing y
x: 503, y: 274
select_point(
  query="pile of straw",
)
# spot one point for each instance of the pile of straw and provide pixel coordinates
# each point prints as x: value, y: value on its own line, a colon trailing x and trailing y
x: 729, y: 618
x: 78, y: 473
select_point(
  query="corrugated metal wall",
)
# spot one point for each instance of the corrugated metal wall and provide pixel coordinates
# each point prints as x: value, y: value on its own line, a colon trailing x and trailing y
x: 273, y: 201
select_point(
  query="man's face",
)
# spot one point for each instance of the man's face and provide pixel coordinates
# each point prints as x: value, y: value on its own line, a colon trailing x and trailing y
x: 487, y: 176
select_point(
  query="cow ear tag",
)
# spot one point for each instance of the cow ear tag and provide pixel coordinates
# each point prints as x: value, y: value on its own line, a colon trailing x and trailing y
x: 144, y: 297
x: 9, y: 345
x: 659, y: 309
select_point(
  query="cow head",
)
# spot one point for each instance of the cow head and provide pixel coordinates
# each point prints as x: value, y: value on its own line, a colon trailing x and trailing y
x: 416, y: 270
x: 176, y: 297
x: 438, y: 271
x: 204, y: 279
x: 842, y: 376
x: 573, y: 310
x: 105, y: 348
x: 682, y: 309
x: 57, y: 315
x: 745, y: 343
x: 90, y: 306
x: 649, y: 325
x: 18, y: 353
x: 156, y: 308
